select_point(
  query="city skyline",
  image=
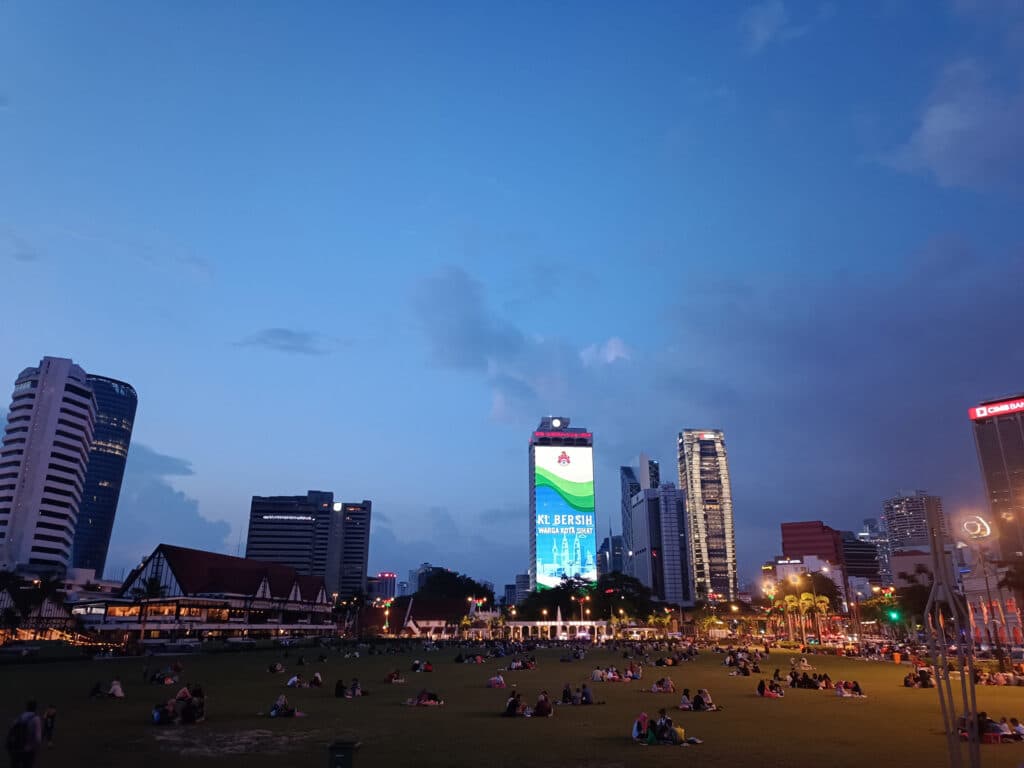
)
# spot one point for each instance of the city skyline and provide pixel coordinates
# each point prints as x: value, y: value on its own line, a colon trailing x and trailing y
x: 481, y: 195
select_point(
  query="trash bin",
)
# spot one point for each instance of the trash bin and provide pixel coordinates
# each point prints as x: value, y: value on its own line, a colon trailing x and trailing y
x: 342, y: 753
x: 896, y: 657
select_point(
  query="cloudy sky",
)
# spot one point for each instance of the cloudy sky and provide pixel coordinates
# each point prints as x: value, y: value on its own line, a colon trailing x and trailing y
x: 364, y: 249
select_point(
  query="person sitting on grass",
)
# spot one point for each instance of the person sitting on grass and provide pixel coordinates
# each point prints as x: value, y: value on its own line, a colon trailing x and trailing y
x: 667, y: 731
x: 425, y: 698
x: 116, y: 691
x: 543, y: 707
x: 513, y: 706
x: 355, y: 690
x: 684, y: 702
x: 702, y: 702
x: 295, y: 681
x: 598, y: 675
x: 567, y: 694
x: 775, y: 688
x: 395, y: 677
x: 317, y: 680
x: 586, y: 697
x: 282, y: 708
x: 276, y: 668
x: 496, y: 682
x: 640, y: 728
x: 163, y: 713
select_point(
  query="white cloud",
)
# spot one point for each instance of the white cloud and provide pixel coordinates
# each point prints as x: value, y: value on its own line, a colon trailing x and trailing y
x: 607, y: 353
x: 968, y: 134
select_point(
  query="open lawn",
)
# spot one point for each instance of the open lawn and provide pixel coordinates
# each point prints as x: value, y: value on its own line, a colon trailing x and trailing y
x: 893, y: 726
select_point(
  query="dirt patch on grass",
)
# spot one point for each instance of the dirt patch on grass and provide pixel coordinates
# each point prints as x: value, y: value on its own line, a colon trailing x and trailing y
x: 195, y: 742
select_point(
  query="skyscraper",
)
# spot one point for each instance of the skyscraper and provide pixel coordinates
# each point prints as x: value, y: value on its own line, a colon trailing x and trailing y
x: 874, y: 533
x: 906, y: 519
x: 43, y: 466
x: 609, y: 555
x: 704, y: 478
x: 116, y: 402
x: 812, y: 537
x: 631, y: 482
x: 999, y: 435
x: 293, y: 531
x: 315, y: 535
x: 661, y: 555
x: 563, y: 539
x: 352, y: 527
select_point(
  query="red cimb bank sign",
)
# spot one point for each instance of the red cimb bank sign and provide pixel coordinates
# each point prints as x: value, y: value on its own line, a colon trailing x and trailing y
x: 1004, y: 408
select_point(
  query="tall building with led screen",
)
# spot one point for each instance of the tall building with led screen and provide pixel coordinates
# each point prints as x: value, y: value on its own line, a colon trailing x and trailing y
x: 563, y: 534
x: 999, y: 434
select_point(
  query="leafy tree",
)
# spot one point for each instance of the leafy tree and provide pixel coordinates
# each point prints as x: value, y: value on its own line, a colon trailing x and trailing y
x: 452, y: 585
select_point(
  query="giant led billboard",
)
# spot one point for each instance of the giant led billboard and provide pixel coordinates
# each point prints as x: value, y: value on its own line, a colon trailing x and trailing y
x: 566, y: 536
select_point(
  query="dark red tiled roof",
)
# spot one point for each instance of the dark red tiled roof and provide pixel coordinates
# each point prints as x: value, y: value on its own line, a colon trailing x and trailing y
x: 199, y: 572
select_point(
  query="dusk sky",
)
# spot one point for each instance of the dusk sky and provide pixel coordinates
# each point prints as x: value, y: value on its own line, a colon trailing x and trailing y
x: 364, y: 248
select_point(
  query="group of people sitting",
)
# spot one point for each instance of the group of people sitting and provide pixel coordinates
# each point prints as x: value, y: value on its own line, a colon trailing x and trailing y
x: 849, y: 688
x: 582, y: 695
x: 167, y: 676
x: 497, y: 681
x: 812, y: 681
x: 520, y: 664
x: 702, y: 702
x: 281, y: 708
x: 663, y: 685
x: 514, y: 706
x: 425, y: 698
x: 297, y: 681
x: 770, y: 689
x: 613, y: 675
x: 651, y: 732
x: 982, y: 677
x: 922, y: 678
x: 353, y: 691
x: 1006, y: 730
x: 422, y: 666
x: 187, y: 707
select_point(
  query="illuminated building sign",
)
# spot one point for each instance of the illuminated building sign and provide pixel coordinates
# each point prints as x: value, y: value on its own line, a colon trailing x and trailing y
x: 572, y: 435
x: 306, y: 518
x: 566, y: 533
x: 997, y: 409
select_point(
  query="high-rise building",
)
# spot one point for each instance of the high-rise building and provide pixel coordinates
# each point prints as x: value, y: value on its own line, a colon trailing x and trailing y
x: 510, y: 595
x: 116, y: 402
x: 610, y: 555
x: 522, y: 587
x: 563, y: 539
x: 352, y: 526
x: 999, y: 435
x: 906, y: 519
x: 631, y: 483
x: 315, y: 535
x: 860, y: 558
x: 661, y: 555
x: 812, y: 537
x: 704, y: 480
x: 43, y: 465
x: 293, y: 531
x: 382, y: 586
x: 874, y: 533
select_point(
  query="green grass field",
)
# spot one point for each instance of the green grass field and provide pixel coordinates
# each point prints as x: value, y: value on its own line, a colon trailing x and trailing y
x: 893, y: 726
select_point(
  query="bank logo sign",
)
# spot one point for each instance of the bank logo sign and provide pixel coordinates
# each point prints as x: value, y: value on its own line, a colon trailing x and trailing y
x: 566, y: 533
x: 997, y: 409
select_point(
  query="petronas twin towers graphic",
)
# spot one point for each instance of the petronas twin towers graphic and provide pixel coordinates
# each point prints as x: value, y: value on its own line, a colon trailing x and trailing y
x: 568, y: 560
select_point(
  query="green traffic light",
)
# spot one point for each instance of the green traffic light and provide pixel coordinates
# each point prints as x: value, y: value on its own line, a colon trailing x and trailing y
x: 894, y: 615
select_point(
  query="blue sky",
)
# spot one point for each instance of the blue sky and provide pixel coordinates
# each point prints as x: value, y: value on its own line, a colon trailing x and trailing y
x: 364, y: 249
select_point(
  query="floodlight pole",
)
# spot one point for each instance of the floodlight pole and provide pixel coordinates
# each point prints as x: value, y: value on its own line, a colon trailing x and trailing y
x: 942, y: 601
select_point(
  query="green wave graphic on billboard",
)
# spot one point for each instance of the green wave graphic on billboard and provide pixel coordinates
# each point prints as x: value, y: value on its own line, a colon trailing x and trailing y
x: 579, y: 496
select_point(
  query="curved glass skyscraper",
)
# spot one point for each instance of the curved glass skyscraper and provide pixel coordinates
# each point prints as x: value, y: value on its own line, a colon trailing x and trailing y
x: 115, y: 416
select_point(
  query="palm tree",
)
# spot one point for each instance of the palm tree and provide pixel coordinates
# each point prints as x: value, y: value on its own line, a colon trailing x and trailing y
x: 806, y: 605
x: 821, y: 608
x: 790, y: 604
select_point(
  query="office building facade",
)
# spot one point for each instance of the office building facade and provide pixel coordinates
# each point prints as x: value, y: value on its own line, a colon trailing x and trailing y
x: 661, y: 554
x: 43, y: 465
x: 999, y: 437
x: 860, y: 559
x: 631, y: 482
x: 710, y: 532
x: 315, y: 535
x: 610, y: 555
x: 874, y: 533
x: 812, y: 537
x: 563, y: 534
x: 350, y: 539
x: 906, y: 519
x: 116, y: 403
